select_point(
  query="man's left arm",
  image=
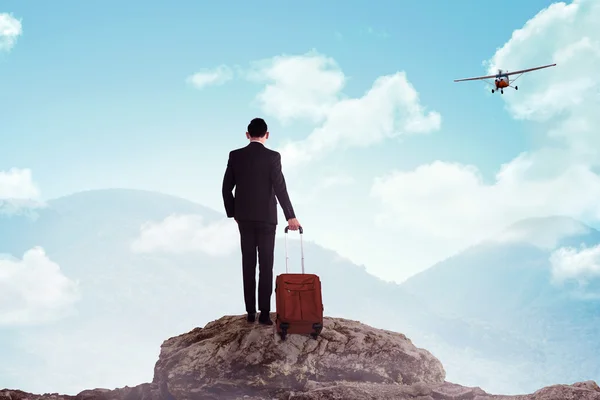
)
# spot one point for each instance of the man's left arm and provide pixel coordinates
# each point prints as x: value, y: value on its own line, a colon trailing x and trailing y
x: 280, y: 187
x: 228, y: 185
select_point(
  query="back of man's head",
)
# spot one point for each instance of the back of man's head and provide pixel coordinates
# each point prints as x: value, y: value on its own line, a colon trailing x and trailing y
x: 257, y: 128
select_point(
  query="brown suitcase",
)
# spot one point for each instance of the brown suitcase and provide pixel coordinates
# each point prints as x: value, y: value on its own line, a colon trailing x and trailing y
x: 298, y: 300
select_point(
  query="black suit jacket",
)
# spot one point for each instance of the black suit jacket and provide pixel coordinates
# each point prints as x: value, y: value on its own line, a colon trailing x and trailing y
x: 255, y: 172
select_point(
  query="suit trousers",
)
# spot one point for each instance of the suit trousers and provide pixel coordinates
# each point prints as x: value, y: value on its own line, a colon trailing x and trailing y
x: 259, y: 236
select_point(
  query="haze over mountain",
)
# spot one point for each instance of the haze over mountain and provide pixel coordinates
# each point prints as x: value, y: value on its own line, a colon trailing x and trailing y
x: 538, y: 280
x: 137, y: 267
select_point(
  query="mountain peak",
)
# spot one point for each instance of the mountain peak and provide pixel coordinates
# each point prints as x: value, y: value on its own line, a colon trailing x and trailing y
x: 231, y: 359
x: 129, y: 201
x: 115, y: 195
x: 548, y: 221
x: 543, y: 232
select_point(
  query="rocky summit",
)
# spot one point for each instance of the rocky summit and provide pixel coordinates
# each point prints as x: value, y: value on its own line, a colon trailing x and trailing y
x: 231, y: 359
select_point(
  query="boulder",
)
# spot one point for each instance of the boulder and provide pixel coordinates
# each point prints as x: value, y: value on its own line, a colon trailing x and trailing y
x: 230, y: 353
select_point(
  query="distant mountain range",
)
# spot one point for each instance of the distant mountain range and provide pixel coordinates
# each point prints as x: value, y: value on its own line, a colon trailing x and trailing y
x: 505, y: 284
x: 490, y: 313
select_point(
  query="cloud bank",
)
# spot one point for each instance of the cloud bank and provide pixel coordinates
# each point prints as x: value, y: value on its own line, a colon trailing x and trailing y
x: 451, y: 202
x: 309, y: 87
x: 565, y: 34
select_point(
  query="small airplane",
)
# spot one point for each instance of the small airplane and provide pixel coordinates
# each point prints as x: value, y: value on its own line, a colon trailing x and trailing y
x: 502, y: 80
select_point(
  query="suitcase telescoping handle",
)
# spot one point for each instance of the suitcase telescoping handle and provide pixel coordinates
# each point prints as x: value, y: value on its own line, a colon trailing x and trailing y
x: 287, y: 228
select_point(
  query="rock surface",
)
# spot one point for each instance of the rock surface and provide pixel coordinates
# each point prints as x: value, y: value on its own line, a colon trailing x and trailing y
x: 231, y: 359
x: 230, y: 353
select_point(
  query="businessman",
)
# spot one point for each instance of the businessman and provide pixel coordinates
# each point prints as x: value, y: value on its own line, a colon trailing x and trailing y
x: 255, y: 172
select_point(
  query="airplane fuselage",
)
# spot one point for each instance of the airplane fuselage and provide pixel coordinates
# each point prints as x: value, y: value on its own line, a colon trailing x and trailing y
x: 501, y: 82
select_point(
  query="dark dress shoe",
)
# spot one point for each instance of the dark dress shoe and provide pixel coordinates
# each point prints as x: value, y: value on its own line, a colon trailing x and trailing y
x: 251, y: 317
x: 265, y: 319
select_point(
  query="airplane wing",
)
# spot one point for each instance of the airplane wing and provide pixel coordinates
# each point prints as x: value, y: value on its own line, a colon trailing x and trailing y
x: 522, y: 71
x: 475, y: 79
x: 528, y: 70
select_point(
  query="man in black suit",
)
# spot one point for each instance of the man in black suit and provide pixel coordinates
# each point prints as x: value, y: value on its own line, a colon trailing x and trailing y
x: 255, y: 172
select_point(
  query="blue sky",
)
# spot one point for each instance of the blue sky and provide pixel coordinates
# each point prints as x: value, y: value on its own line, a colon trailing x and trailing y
x: 94, y: 95
x: 99, y: 88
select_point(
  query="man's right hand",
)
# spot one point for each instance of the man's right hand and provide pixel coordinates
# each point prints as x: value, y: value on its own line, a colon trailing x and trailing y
x: 293, y: 224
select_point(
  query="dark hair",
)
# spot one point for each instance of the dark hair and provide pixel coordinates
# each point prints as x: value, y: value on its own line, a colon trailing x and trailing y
x: 257, y: 128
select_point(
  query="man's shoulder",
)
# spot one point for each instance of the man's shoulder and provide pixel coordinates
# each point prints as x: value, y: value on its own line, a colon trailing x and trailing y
x: 272, y: 153
x: 235, y: 152
x: 261, y: 150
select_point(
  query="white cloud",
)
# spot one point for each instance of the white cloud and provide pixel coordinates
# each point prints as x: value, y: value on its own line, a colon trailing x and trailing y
x: 187, y: 233
x: 309, y: 86
x: 17, y: 184
x: 578, y: 264
x: 305, y: 86
x: 34, y: 290
x: 18, y: 193
x: 208, y: 77
x: 10, y: 29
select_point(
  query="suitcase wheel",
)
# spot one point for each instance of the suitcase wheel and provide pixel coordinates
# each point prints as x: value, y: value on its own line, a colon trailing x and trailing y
x: 284, y: 327
x: 318, y: 328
